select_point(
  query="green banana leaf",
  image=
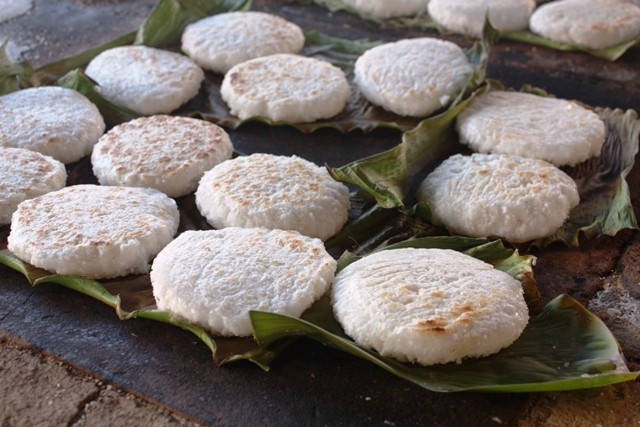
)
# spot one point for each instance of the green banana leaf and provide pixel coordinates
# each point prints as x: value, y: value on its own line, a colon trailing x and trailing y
x: 611, y: 53
x: 563, y: 347
x: 605, y: 204
x: 112, y: 113
x: 132, y: 297
x: 11, y: 72
x: 358, y: 113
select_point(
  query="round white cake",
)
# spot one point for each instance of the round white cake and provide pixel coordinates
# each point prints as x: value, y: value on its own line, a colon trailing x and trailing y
x: 145, y: 79
x: 514, y: 198
x: 55, y: 121
x: 167, y: 153
x: 389, y: 9
x: 428, y: 306
x: 25, y: 174
x: 285, y: 87
x: 214, y: 278
x: 556, y: 130
x: 263, y: 190
x: 594, y: 24
x: 93, y: 231
x: 221, y: 41
x: 413, y: 77
x: 468, y: 16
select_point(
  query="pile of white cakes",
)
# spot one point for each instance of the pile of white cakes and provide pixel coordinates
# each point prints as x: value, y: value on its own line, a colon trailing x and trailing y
x: 271, y: 213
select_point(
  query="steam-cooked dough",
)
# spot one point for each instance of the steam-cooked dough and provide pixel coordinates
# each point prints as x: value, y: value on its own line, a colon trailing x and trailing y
x: 428, y: 306
x: 413, y: 77
x: 54, y: 121
x: 213, y: 278
x: 556, y: 130
x: 167, y: 153
x: 221, y: 41
x: 468, y: 16
x: 594, y: 24
x: 93, y: 231
x: 263, y: 190
x: 25, y: 174
x: 514, y: 198
x: 285, y: 87
x: 145, y: 79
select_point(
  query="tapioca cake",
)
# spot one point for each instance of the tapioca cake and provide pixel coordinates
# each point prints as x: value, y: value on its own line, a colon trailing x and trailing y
x: 282, y: 192
x: 515, y: 198
x: 556, y: 130
x: 594, y: 24
x: 428, y: 306
x: 389, y: 9
x: 167, y: 153
x: 93, y: 231
x: 25, y: 174
x: 468, y: 16
x: 213, y: 278
x: 145, y: 79
x: 413, y: 77
x: 55, y: 121
x: 285, y: 87
x: 221, y: 41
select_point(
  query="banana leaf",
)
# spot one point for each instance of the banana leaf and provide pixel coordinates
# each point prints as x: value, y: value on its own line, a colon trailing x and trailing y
x: 11, y: 72
x: 563, y: 347
x: 605, y: 205
x: 611, y: 53
x: 112, y: 113
x: 358, y: 113
x: 132, y: 297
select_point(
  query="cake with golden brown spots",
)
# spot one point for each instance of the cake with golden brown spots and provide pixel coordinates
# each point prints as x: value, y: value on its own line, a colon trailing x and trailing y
x: 25, y: 174
x: 167, y: 153
x: 93, y: 231
x: 285, y: 87
x: 281, y: 192
x: 428, y: 306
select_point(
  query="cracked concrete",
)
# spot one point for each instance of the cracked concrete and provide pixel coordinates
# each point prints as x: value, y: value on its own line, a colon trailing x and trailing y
x: 59, y: 395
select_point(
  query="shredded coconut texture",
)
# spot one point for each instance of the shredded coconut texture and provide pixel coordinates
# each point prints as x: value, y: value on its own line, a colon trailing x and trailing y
x: 556, y: 130
x: 214, y: 278
x: 145, y: 79
x: 285, y: 87
x: 221, y: 41
x: 511, y: 197
x: 25, y: 174
x: 428, y: 306
x: 167, y: 153
x: 263, y: 190
x: 594, y: 24
x: 54, y: 121
x: 92, y: 231
x: 413, y: 77
x: 389, y: 9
